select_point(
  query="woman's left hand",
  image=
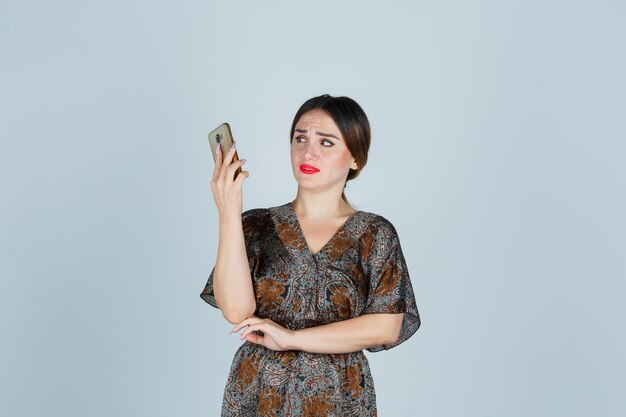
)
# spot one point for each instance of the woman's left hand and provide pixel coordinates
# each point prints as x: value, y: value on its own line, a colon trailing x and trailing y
x: 275, y: 337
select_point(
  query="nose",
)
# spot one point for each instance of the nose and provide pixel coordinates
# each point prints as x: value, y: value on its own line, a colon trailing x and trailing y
x: 311, y: 153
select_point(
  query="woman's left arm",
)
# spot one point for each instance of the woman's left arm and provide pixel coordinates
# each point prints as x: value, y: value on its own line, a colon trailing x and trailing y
x: 345, y: 336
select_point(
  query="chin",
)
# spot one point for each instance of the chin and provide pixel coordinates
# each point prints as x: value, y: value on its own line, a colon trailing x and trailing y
x: 306, y: 181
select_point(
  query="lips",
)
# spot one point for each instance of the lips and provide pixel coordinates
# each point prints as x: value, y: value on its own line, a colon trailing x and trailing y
x: 308, y: 169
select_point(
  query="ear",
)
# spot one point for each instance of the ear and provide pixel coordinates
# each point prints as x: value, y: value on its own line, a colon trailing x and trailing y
x: 354, y: 166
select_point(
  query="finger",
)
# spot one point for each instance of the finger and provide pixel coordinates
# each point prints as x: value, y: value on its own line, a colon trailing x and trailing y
x: 228, y: 156
x: 241, y: 178
x: 253, y: 327
x: 233, y: 167
x: 240, y: 325
x: 247, y: 322
x: 236, y: 329
x: 257, y: 339
x: 218, y: 161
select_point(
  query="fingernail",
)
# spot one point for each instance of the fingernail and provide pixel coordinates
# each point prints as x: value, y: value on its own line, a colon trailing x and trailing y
x: 217, y: 148
x: 243, y: 161
x: 233, y: 146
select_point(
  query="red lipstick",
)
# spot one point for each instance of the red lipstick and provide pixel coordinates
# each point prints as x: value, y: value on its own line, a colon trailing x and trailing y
x: 308, y: 169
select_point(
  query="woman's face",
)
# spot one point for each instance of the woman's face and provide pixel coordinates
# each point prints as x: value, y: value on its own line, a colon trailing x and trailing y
x: 320, y: 159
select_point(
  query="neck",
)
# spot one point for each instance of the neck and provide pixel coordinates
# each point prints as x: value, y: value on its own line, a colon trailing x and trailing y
x: 315, y: 205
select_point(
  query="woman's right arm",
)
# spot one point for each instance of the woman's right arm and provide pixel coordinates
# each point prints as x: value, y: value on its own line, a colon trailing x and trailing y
x: 232, y: 282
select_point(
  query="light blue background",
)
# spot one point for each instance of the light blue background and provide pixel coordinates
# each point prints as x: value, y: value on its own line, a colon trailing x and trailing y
x: 498, y: 153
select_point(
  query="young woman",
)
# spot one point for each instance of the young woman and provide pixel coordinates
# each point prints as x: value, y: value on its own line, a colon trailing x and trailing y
x: 312, y: 282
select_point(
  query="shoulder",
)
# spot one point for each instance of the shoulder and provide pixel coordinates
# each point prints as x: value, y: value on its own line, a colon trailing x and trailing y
x: 379, y: 226
x: 378, y: 239
x: 254, y: 214
x: 256, y: 221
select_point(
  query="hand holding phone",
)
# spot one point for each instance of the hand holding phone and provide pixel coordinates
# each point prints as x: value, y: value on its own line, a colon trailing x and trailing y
x: 228, y: 177
x: 222, y: 137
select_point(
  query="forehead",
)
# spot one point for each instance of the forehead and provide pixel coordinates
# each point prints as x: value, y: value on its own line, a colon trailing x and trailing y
x: 318, y: 120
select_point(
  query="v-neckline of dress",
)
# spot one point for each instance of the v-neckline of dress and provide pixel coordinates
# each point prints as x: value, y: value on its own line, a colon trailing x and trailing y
x: 339, y: 230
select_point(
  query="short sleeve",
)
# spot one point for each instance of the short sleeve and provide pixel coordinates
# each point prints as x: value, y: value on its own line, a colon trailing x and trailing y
x: 248, y: 223
x: 390, y: 289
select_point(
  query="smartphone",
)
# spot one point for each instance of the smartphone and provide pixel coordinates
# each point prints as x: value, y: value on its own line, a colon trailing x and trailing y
x: 222, y: 136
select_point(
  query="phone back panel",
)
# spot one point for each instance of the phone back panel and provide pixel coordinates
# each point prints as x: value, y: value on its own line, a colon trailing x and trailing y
x: 221, y: 135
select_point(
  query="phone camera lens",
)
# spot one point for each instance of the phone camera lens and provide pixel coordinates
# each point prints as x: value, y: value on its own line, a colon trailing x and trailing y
x: 218, y: 138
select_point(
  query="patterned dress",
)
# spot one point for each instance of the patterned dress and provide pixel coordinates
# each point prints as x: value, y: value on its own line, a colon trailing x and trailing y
x: 360, y: 270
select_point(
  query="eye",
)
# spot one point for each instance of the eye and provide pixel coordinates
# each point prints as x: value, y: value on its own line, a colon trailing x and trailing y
x: 299, y: 139
x: 326, y: 143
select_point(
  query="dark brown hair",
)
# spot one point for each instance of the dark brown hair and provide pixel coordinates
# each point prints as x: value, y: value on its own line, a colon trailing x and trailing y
x: 351, y: 121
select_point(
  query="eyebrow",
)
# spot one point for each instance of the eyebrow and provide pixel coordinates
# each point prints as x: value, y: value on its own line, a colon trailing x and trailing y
x: 318, y: 133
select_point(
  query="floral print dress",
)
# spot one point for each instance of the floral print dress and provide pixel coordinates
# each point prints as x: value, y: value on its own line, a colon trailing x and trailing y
x: 360, y: 270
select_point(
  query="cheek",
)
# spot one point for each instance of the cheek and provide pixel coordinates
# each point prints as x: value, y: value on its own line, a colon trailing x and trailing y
x: 344, y: 160
x: 294, y: 156
x: 338, y: 166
